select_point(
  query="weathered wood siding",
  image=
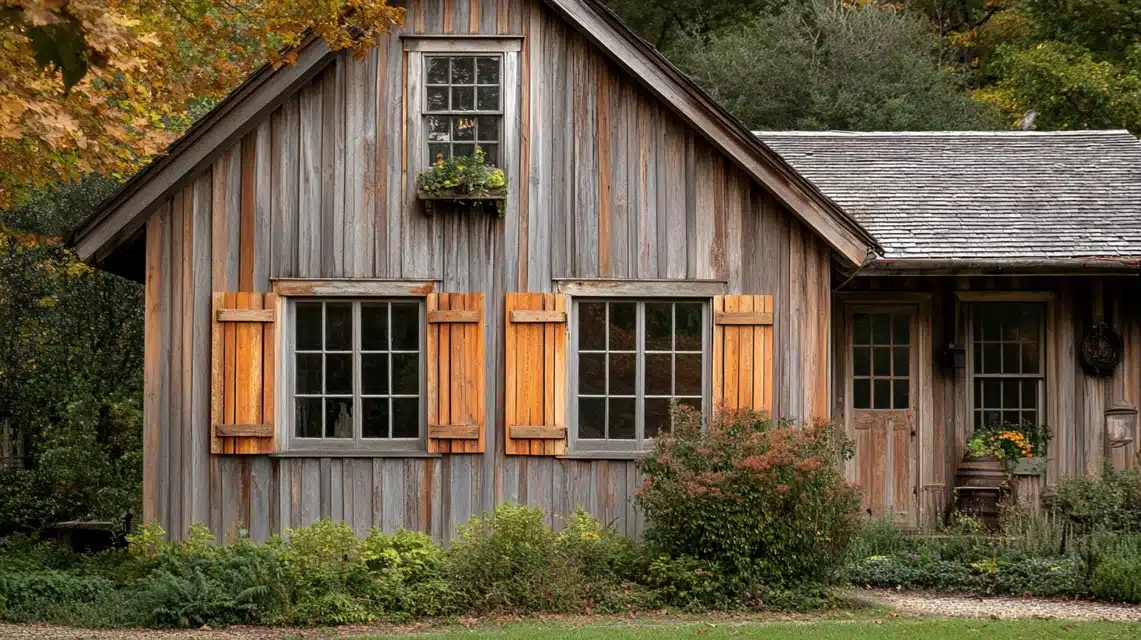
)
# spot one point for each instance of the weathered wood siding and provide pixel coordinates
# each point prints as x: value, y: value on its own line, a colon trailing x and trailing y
x: 608, y: 184
x: 1075, y: 402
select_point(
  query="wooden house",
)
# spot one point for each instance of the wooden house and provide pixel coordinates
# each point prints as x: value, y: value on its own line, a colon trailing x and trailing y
x: 319, y: 346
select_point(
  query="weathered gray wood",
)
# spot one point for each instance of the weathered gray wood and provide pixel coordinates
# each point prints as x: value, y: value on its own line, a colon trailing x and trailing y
x: 259, y: 521
x: 173, y: 430
x: 642, y: 288
x: 350, y: 288
x: 194, y: 495
x: 309, y: 182
x: 263, y: 202
x: 459, y: 44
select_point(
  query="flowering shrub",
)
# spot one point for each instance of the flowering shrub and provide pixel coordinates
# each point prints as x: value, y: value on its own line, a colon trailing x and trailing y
x: 762, y: 502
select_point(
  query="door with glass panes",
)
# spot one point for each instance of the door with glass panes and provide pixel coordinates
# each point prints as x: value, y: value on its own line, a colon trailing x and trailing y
x: 881, y: 421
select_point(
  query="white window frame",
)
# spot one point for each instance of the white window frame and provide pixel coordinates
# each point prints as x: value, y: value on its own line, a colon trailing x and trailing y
x: 640, y: 444
x: 416, y: 48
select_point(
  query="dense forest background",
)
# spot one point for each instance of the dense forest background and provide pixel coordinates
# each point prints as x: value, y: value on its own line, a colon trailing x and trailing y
x: 81, y: 107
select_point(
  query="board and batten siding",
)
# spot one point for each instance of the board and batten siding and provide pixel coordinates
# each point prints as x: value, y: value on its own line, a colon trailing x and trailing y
x: 1075, y: 402
x: 607, y: 183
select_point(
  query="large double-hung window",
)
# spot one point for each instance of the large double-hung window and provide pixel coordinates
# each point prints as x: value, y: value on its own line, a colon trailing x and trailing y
x: 1007, y: 363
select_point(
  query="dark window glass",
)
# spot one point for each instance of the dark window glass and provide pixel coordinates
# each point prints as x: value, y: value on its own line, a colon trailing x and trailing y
x: 592, y: 373
x: 689, y: 326
x: 862, y: 361
x: 338, y: 374
x: 309, y: 326
x: 622, y: 418
x: 689, y: 368
x: 338, y: 327
x: 657, y: 416
x: 881, y: 357
x: 406, y: 373
x: 406, y: 327
x: 405, y: 417
x: 592, y: 418
x: 623, y: 372
x: 623, y: 326
x: 374, y: 327
x: 374, y: 374
x: 374, y: 417
x: 308, y: 418
x: 659, y: 326
x: 659, y: 381
x: 882, y: 390
x: 338, y: 417
x: 881, y: 328
x: 861, y: 329
x: 902, y: 363
x: 862, y: 393
x: 901, y: 394
x: 592, y: 326
x: 309, y: 373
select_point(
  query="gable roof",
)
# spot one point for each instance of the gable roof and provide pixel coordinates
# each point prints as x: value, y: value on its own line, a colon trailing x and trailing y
x: 988, y: 198
x: 119, y: 220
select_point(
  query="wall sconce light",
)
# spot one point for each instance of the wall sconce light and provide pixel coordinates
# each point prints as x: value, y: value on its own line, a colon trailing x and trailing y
x: 954, y: 357
x: 1120, y: 424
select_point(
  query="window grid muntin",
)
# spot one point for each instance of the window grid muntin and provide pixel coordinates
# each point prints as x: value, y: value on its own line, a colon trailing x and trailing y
x: 357, y: 373
x: 673, y: 352
x: 475, y: 113
x: 640, y: 441
x: 894, y: 402
x: 1027, y: 407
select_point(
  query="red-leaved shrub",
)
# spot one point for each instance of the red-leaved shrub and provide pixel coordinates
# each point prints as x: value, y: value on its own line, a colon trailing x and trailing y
x: 764, y: 501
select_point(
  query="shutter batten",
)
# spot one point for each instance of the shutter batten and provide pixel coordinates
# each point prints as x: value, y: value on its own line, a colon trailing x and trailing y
x: 456, y: 386
x: 243, y: 373
x: 536, y: 374
x: 743, y: 353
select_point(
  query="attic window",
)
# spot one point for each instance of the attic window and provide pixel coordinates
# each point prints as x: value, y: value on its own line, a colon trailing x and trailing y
x: 463, y: 105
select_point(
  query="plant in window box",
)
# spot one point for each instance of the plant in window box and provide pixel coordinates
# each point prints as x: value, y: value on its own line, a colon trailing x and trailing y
x: 467, y: 180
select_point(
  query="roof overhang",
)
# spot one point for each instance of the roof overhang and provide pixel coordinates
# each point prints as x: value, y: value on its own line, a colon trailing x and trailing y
x: 119, y: 221
x: 1017, y: 266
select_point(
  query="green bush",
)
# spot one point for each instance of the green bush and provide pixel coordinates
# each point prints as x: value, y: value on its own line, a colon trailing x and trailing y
x: 1109, y: 501
x: 1118, y: 578
x: 764, y: 503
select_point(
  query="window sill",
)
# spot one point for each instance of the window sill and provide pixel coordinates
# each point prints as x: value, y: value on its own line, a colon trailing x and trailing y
x: 355, y: 454
x: 604, y: 455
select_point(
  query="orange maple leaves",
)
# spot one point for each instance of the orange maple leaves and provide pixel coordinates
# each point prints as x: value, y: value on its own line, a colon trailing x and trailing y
x: 143, y: 64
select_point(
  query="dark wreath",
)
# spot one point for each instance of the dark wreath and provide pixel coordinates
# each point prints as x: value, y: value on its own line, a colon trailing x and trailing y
x: 1101, y: 350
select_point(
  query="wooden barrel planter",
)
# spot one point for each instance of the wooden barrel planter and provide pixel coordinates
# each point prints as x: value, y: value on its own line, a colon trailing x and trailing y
x: 979, y: 486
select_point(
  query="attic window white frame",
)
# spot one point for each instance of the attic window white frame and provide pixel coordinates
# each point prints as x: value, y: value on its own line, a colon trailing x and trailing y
x: 415, y: 49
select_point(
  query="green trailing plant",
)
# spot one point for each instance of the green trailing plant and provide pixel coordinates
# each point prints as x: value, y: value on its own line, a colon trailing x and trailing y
x: 465, y: 178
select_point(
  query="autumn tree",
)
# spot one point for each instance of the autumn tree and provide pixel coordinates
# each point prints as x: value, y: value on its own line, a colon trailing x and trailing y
x: 101, y: 86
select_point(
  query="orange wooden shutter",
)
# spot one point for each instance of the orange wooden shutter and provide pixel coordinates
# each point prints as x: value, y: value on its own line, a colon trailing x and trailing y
x: 455, y: 373
x: 243, y: 365
x: 536, y: 370
x: 743, y: 352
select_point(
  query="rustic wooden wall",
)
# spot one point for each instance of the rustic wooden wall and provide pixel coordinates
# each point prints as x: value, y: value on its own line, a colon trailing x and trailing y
x: 1075, y: 401
x: 608, y: 183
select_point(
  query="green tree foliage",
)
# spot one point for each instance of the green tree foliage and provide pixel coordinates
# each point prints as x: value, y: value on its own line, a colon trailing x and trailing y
x: 1076, y: 64
x: 70, y: 370
x: 827, y: 65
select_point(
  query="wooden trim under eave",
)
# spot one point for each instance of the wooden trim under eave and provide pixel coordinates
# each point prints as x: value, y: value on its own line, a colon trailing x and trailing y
x: 1004, y: 296
x: 234, y: 117
x: 642, y: 288
x: 353, y: 288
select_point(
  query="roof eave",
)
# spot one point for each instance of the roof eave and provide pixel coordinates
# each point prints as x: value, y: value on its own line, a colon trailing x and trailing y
x: 122, y: 215
x: 1012, y: 266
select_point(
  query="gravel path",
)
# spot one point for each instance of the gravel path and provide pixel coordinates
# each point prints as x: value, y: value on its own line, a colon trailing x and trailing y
x: 973, y: 607
x: 906, y: 603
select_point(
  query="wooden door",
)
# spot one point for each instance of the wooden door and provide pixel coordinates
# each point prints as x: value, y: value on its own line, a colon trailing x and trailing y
x: 881, y: 392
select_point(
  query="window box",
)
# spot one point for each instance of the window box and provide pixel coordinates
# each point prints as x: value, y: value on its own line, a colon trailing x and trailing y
x: 494, y: 199
x: 1027, y: 466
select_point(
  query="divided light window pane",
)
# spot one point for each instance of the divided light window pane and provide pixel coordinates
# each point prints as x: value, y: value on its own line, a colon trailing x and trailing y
x: 463, y: 105
x: 635, y: 359
x: 356, y: 370
x: 881, y: 360
x: 1007, y: 371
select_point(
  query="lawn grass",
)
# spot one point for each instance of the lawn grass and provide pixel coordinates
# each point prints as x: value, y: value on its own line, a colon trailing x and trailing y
x: 891, y: 629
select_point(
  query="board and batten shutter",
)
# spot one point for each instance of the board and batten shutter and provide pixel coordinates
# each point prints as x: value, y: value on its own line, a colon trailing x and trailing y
x: 243, y: 373
x: 536, y: 374
x: 456, y: 385
x: 743, y: 353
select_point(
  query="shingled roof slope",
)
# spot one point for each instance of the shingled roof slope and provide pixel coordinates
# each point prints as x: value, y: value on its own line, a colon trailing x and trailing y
x: 981, y: 196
